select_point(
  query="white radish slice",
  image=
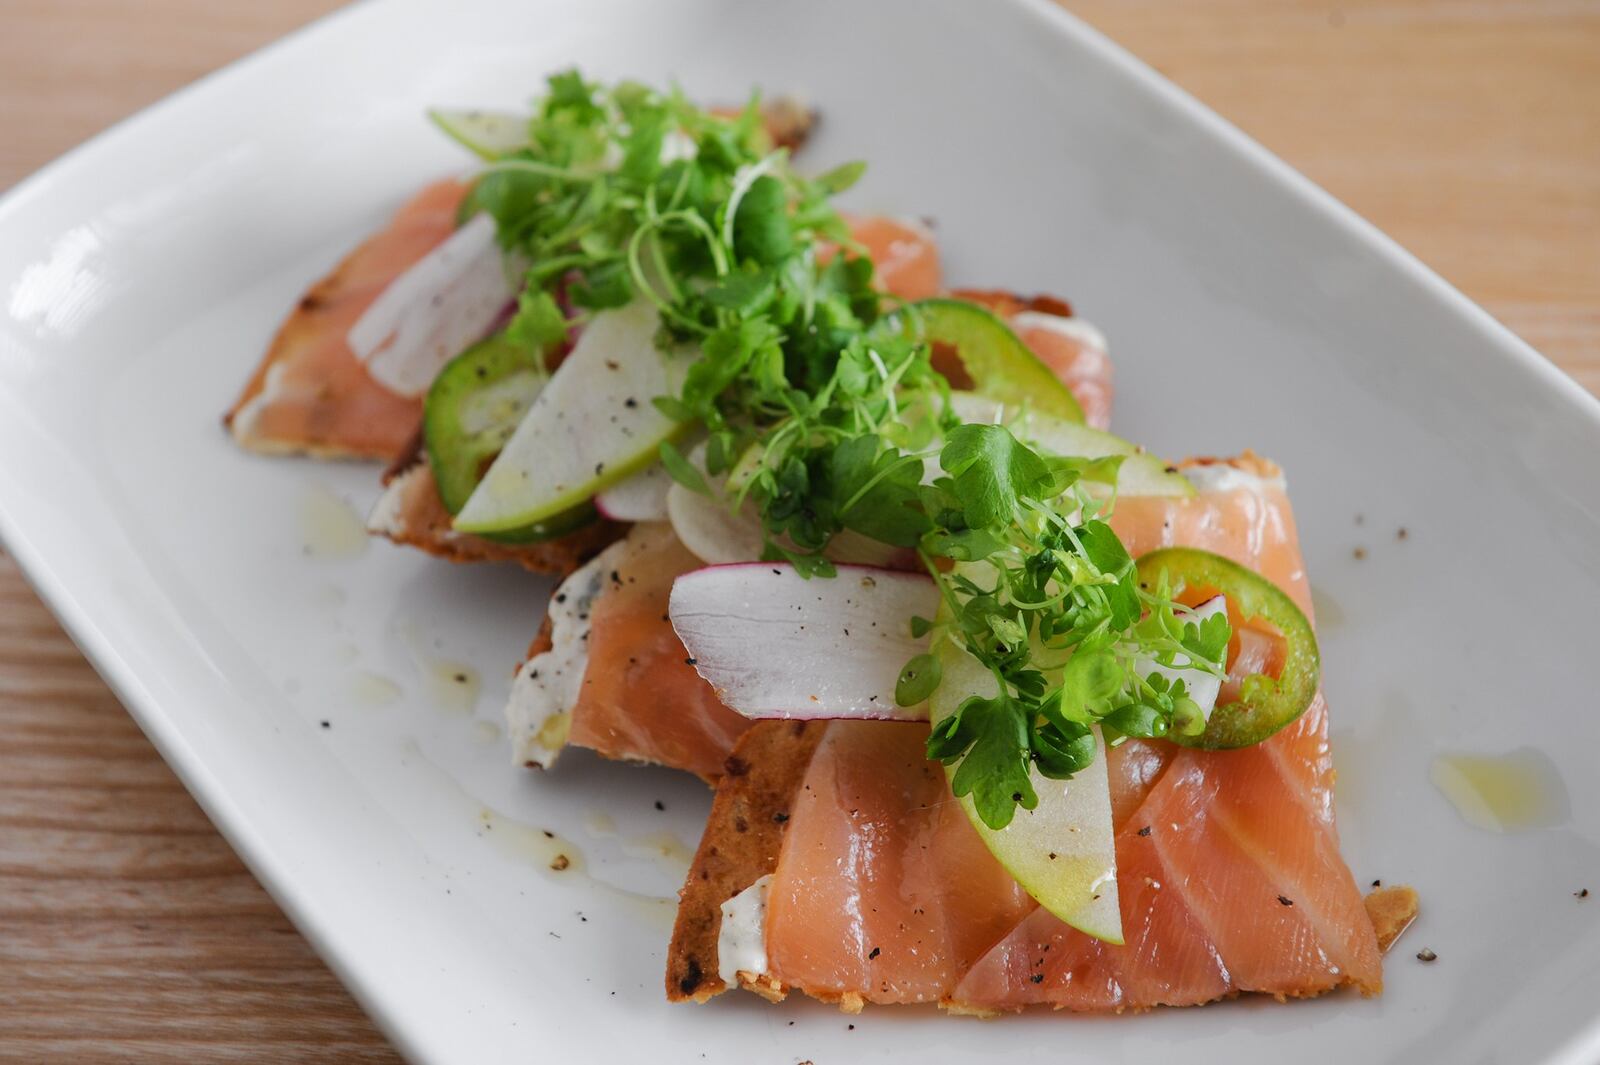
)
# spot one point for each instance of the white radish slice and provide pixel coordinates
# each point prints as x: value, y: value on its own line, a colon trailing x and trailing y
x: 1201, y: 686
x: 774, y: 644
x: 428, y: 315
x: 710, y: 530
x: 641, y: 497
x: 718, y: 535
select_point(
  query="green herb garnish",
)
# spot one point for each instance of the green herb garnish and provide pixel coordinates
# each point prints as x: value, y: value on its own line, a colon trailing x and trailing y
x: 829, y: 416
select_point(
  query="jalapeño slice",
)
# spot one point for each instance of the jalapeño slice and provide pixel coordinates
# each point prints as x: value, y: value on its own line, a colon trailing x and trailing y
x: 1265, y: 704
x: 993, y: 357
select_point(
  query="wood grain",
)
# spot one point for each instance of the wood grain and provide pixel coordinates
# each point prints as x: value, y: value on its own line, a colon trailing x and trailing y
x: 129, y: 932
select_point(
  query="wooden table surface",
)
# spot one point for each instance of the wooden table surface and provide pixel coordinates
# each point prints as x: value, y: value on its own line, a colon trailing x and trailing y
x: 1470, y: 130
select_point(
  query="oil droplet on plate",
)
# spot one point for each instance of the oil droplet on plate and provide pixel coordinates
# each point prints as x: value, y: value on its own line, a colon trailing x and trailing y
x: 1503, y: 793
x: 346, y: 652
x: 670, y: 852
x: 486, y: 732
x: 373, y: 689
x: 539, y: 847
x: 561, y: 861
x: 329, y: 527
x: 453, y: 685
x: 599, y: 824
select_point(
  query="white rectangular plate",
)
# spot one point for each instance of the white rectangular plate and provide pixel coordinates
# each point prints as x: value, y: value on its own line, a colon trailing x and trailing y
x: 142, y: 275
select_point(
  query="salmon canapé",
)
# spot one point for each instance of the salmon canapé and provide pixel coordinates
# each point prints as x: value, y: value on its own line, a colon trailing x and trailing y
x: 672, y: 719
x: 608, y: 672
x: 906, y: 263
x: 311, y: 394
x: 1228, y: 865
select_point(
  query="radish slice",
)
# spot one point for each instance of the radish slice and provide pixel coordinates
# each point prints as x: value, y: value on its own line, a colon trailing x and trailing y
x: 642, y: 497
x: 1201, y: 685
x: 428, y: 315
x: 716, y: 535
x: 712, y: 532
x: 774, y: 644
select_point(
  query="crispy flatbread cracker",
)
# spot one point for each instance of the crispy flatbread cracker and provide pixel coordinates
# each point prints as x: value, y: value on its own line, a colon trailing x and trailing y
x: 411, y: 513
x: 1391, y: 910
x: 740, y: 845
x: 742, y: 840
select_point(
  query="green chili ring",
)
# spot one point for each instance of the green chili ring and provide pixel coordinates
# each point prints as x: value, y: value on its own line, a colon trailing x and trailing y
x: 1000, y: 364
x: 473, y: 407
x: 1263, y: 708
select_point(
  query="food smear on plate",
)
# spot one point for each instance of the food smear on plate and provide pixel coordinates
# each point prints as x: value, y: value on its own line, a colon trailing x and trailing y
x: 1000, y: 709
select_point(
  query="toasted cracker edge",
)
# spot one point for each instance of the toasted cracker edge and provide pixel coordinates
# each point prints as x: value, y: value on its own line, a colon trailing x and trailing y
x: 411, y: 513
x: 741, y: 842
x: 1391, y: 911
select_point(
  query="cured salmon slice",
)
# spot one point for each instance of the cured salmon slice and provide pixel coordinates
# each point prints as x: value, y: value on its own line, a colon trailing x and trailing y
x: 626, y: 723
x: 904, y: 254
x: 1229, y: 872
x: 639, y: 698
x: 882, y: 889
x: 311, y: 394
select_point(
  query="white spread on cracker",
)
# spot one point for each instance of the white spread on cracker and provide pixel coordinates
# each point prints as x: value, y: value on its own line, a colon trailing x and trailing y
x: 547, y: 685
x: 742, y: 942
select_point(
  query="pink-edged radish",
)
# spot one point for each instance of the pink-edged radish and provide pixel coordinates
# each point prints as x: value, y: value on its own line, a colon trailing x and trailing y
x: 775, y: 644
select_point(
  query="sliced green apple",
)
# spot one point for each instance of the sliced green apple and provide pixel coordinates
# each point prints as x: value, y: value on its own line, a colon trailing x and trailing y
x: 1063, y: 851
x: 591, y: 426
x: 486, y: 134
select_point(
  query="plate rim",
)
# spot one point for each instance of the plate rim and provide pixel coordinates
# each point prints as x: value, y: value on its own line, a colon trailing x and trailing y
x: 57, y: 592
